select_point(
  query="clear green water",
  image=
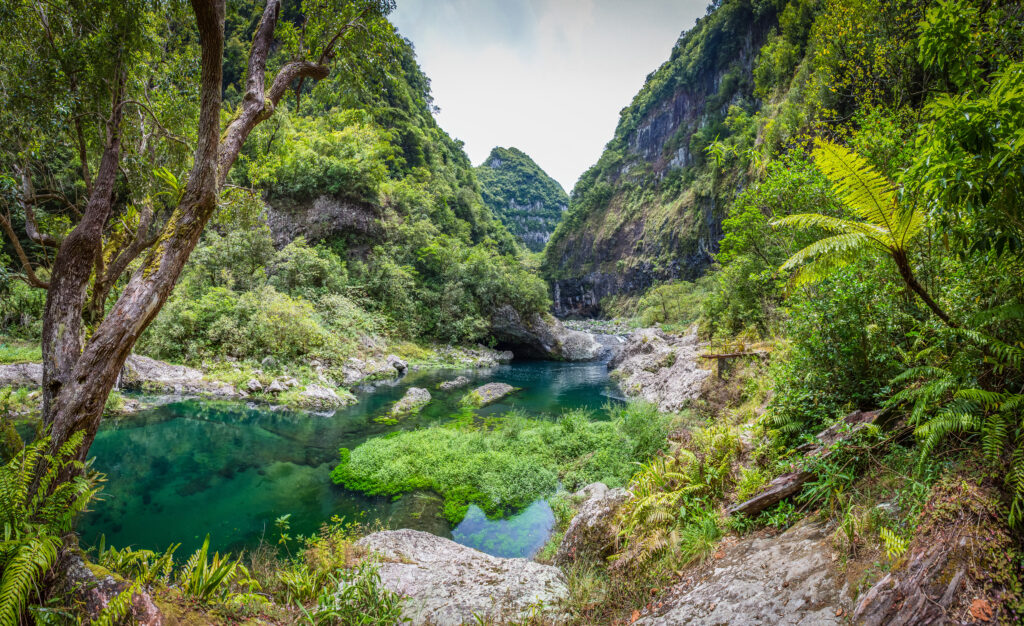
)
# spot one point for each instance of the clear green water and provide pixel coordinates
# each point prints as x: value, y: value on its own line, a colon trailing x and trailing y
x: 182, y: 470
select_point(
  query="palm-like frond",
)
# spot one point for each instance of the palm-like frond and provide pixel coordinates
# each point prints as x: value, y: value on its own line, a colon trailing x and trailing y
x: 886, y: 227
x: 859, y: 185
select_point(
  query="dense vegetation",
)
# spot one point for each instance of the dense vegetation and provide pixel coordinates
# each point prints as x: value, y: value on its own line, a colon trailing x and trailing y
x: 851, y: 182
x: 528, y: 201
x: 506, y: 464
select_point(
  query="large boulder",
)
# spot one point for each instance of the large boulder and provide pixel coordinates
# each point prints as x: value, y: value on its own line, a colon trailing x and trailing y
x: 21, y: 375
x: 455, y: 383
x: 413, y: 400
x: 591, y: 533
x: 660, y: 368
x: 543, y: 337
x: 142, y: 372
x: 788, y: 579
x: 486, y: 394
x: 94, y: 590
x: 446, y: 584
x: 319, y: 398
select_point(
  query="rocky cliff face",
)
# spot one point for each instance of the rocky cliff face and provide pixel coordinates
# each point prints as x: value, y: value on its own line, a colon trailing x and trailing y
x: 651, y: 208
x: 522, y: 195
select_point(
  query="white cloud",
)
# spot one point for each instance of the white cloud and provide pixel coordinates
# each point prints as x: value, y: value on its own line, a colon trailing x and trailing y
x: 546, y: 76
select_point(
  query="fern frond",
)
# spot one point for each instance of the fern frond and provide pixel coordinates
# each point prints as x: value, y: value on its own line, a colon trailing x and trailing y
x: 23, y: 573
x: 859, y: 185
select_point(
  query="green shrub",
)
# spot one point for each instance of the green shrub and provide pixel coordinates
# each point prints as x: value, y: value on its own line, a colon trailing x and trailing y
x: 507, y: 464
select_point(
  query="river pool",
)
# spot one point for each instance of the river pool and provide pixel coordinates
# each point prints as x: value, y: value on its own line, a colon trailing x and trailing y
x: 181, y: 470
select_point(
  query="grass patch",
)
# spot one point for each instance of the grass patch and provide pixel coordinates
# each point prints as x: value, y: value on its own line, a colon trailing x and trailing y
x: 504, y: 464
x: 19, y: 351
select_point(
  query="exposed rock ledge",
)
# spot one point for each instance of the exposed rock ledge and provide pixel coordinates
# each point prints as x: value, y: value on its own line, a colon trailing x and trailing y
x: 540, y: 337
x: 660, y: 368
x: 447, y: 584
x: 762, y: 580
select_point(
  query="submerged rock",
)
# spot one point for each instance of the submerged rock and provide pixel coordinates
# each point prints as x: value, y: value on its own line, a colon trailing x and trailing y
x: 491, y: 392
x: 447, y: 584
x: 413, y: 400
x: 760, y: 580
x: 591, y: 533
x: 660, y: 368
x: 456, y: 383
x: 543, y: 338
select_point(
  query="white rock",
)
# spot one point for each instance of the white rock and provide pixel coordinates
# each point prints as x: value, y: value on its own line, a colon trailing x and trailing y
x: 446, y: 584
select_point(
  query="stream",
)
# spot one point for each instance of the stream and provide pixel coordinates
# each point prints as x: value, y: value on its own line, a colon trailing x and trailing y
x: 181, y: 470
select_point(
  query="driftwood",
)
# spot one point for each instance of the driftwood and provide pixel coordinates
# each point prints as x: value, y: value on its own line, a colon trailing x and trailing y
x: 789, y: 484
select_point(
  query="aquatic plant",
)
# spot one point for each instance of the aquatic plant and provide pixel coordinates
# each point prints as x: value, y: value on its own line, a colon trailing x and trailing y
x: 506, y: 463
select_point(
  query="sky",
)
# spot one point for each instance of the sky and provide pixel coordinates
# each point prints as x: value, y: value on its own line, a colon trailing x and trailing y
x: 546, y: 76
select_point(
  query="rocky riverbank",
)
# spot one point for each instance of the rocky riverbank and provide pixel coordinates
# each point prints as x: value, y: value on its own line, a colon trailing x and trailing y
x: 660, y: 368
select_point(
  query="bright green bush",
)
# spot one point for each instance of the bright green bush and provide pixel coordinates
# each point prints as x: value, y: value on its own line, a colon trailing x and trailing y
x: 507, y: 463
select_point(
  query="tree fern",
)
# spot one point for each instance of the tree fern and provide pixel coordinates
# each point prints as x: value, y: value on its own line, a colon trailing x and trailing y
x: 884, y: 226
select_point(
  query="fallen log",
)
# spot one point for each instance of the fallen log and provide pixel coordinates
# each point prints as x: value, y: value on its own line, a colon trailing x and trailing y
x: 788, y: 484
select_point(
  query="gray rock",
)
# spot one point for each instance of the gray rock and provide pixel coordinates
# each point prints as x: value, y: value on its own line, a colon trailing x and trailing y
x: 139, y: 371
x: 290, y: 382
x: 540, y: 337
x: 760, y: 580
x: 447, y: 584
x: 268, y: 362
x: 94, y: 593
x: 414, y: 399
x: 660, y: 368
x: 253, y: 386
x: 591, y: 533
x: 322, y: 398
x: 455, y: 383
x: 276, y: 387
x: 491, y: 392
x: 397, y: 363
x: 21, y: 375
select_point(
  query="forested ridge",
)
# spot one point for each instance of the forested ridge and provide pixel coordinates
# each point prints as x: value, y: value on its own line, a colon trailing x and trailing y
x: 528, y: 201
x: 801, y: 255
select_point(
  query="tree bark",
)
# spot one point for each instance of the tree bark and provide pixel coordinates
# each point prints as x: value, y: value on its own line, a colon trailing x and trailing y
x: 78, y: 386
x: 903, y: 265
x: 62, y: 316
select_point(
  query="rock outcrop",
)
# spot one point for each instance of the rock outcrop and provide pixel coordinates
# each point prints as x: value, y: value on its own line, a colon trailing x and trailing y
x: 616, y: 240
x: 660, y: 368
x: 446, y: 584
x: 539, y: 338
x: 355, y: 371
x: 415, y: 398
x: 320, y: 219
x: 761, y: 580
x: 317, y: 398
x: 21, y: 375
x: 591, y: 534
x: 142, y: 372
x: 456, y: 383
x: 486, y: 394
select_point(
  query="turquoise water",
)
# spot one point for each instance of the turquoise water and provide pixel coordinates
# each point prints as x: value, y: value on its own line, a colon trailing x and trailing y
x: 181, y: 470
